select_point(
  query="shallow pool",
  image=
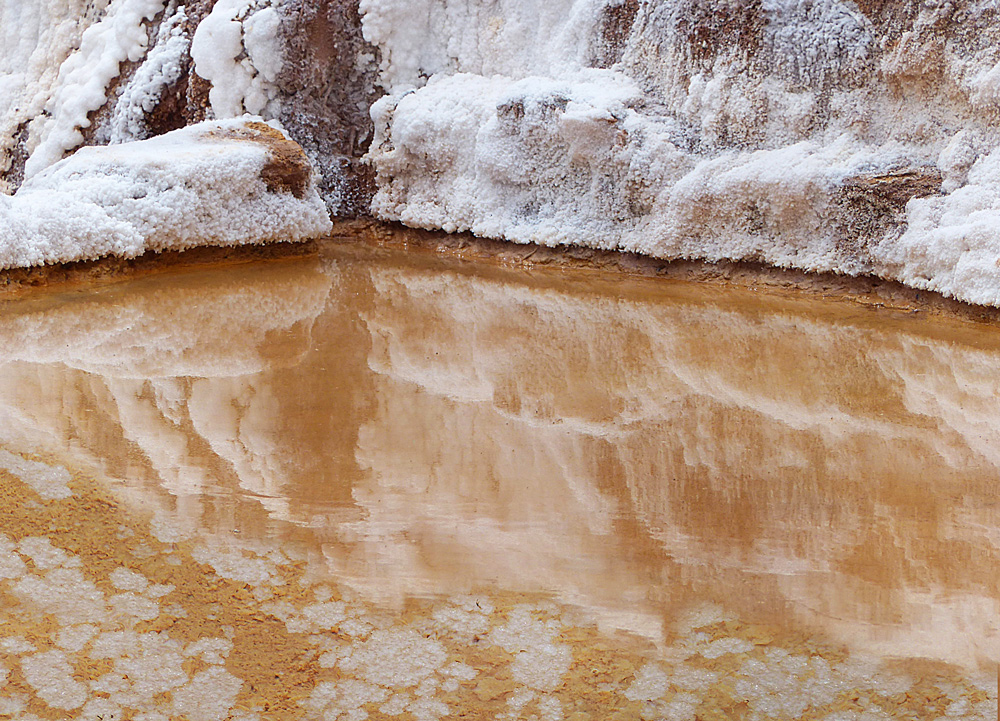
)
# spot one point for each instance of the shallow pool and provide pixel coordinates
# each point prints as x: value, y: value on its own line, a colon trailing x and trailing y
x: 371, y: 484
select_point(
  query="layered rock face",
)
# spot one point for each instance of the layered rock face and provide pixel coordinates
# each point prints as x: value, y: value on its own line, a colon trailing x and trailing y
x: 827, y: 135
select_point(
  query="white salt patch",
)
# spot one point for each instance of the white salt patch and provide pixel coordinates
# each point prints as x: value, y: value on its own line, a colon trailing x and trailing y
x: 152, y: 716
x: 693, y: 679
x: 134, y: 605
x: 175, y: 610
x: 51, y: 676
x: 520, y: 698
x: 461, y: 621
x: 355, y: 627
x: 145, y: 665
x: 281, y: 610
x: 126, y: 580
x: 324, y: 615
x: 16, y: 645
x: 724, y: 646
x: 44, y: 555
x: 550, y: 708
x: 159, y: 590
x: 427, y: 709
x: 263, y: 593
x: 538, y: 662
x: 74, y: 638
x: 681, y: 707
x: 11, y: 564
x: 346, y: 697
x: 542, y: 667
x: 427, y: 687
x: 397, y: 658
x: 49, y: 482
x: 321, y: 695
x: 65, y: 593
x: 232, y: 564
x: 396, y: 704
x: 651, y: 682
x: 13, y: 704
x: 208, y: 697
x: 114, y: 644
x: 460, y: 670
x: 210, y: 650
x: 100, y: 709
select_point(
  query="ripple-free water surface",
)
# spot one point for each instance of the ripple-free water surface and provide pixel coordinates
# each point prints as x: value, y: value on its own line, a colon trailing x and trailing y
x: 370, y: 484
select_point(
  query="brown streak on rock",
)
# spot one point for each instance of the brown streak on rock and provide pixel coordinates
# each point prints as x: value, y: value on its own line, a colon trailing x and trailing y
x: 615, y: 26
x: 873, y: 204
x: 713, y: 29
x: 287, y: 170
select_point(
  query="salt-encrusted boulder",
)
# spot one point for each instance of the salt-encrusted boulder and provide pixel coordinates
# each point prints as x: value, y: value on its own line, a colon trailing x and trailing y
x: 221, y: 183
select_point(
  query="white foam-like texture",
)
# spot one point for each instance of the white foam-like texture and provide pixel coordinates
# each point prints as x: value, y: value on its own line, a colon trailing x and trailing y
x: 200, y: 185
x: 709, y: 131
x: 162, y: 68
x: 238, y: 50
x: 84, y: 77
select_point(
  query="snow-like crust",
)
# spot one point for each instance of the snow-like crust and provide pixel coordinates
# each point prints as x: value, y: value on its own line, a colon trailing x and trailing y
x: 238, y: 50
x: 195, y: 186
x: 489, y: 129
x: 162, y: 68
x: 84, y: 77
x: 35, y: 39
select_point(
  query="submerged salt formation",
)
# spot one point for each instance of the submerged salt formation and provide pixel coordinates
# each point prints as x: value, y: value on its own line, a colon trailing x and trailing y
x: 827, y: 135
x: 216, y: 183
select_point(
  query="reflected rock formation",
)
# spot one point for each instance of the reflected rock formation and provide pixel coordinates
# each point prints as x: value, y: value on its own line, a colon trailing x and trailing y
x: 628, y: 447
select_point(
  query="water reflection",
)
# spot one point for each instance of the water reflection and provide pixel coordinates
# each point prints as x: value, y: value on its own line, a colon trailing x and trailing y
x: 627, y: 448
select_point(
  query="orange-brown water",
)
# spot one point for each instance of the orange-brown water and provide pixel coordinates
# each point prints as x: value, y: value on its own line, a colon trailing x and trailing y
x: 375, y: 483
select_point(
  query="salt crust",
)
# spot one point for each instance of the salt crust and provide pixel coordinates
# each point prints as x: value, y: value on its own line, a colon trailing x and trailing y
x: 162, y: 68
x: 51, y: 676
x: 84, y: 77
x: 238, y: 50
x: 402, y: 668
x: 49, y: 482
x: 489, y: 130
x: 185, y: 188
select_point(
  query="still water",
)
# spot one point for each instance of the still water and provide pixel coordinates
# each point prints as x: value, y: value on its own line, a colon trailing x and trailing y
x: 369, y: 484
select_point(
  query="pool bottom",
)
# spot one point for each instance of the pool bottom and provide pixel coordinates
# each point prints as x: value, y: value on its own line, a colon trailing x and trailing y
x: 105, y: 614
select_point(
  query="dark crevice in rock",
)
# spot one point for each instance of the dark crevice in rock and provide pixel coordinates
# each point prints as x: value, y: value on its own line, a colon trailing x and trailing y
x: 328, y: 83
x: 14, y: 176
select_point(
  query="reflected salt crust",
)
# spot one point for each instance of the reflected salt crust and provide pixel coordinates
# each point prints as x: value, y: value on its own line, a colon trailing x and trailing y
x: 410, y: 488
